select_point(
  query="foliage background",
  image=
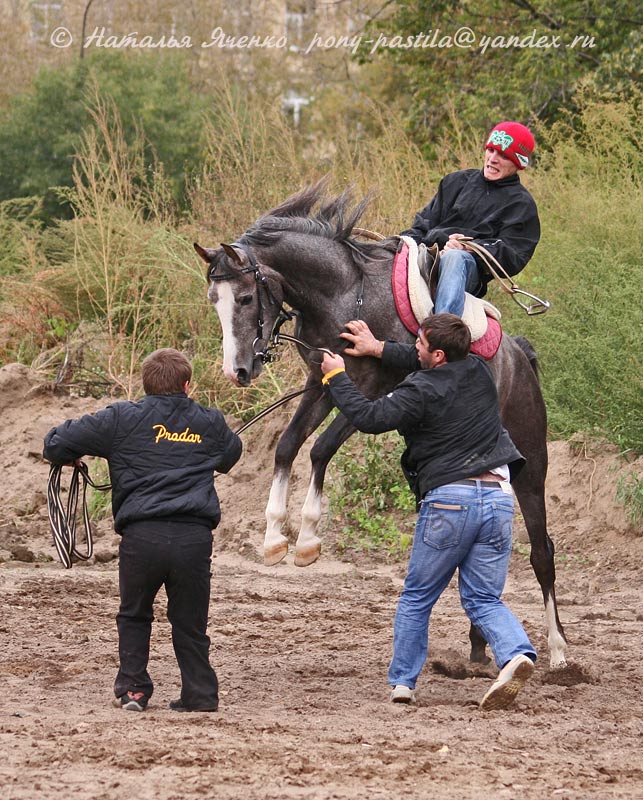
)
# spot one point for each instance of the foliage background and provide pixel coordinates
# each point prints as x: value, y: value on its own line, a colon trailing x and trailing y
x: 139, y: 154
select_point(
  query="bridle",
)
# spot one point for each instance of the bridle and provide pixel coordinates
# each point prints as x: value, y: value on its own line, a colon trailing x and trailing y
x: 269, y: 353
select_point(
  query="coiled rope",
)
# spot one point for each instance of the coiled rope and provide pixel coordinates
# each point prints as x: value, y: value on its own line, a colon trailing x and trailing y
x: 63, y: 518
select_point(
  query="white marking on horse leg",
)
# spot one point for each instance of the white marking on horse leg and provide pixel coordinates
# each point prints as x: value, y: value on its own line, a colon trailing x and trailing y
x: 555, y: 641
x: 275, y: 545
x: 225, y: 309
x: 308, y: 546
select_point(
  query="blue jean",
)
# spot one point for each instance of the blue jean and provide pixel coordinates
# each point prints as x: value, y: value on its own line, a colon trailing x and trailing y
x: 457, y: 274
x: 468, y: 528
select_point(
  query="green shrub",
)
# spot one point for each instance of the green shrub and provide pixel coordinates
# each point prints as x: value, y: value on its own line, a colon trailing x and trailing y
x: 42, y: 129
x: 370, y: 497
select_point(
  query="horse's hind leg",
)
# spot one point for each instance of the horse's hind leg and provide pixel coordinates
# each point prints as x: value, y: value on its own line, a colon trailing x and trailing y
x: 312, y: 410
x: 308, y: 546
x: 525, y: 417
x: 532, y: 505
x: 478, y: 646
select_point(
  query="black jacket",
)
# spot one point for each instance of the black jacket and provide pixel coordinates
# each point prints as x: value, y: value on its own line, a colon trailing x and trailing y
x: 448, y: 416
x: 500, y: 215
x: 161, y: 451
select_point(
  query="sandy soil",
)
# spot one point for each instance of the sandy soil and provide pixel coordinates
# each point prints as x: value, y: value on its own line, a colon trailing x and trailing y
x: 302, y: 657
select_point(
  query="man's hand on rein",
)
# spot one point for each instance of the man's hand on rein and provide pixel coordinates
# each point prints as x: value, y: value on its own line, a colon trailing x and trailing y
x: 456, y: 241
x: 331, y: 363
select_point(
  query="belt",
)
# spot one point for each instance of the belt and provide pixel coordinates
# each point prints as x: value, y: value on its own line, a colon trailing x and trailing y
x: 475, y: 482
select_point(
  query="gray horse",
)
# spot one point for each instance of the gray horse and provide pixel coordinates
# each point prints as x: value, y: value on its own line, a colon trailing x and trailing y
x: 309, y: 261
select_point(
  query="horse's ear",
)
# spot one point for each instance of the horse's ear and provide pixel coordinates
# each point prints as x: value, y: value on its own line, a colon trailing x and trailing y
x: 235, y: 253
x: 202, y: 252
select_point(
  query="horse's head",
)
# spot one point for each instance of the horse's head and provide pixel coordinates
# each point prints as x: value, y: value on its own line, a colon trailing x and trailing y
x: 247, y: 301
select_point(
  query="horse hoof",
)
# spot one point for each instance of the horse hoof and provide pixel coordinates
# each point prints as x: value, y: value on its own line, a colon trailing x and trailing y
x: 307, y: 555
x: 273, y: 555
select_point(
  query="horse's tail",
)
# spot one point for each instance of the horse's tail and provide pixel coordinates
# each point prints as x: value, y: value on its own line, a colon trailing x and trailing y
x: 526, y: 347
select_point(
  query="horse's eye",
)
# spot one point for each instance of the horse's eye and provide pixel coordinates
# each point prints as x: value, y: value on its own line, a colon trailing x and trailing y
x: 245, y: 300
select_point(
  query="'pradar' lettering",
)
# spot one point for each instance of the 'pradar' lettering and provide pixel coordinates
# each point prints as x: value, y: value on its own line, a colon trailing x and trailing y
x: 184, y: 436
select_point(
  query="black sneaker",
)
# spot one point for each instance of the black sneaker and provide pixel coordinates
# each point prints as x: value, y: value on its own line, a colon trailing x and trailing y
x: 177, y: 705
x: 132, y: 701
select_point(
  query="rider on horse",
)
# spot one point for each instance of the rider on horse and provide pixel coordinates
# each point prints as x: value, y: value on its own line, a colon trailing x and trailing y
x: 490, y: 206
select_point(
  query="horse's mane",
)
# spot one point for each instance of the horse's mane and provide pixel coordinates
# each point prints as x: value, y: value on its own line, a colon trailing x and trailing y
x: 334, y: 218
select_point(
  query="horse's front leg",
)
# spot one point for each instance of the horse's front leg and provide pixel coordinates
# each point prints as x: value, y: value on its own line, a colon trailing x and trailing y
x: 308, y: 545
x: 312, y: 410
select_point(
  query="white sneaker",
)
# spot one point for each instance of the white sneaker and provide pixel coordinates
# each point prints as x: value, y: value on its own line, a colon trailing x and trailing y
x: 510, y: 680
x: 402, y: 694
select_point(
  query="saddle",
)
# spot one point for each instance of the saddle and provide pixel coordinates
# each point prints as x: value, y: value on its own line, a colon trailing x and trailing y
x: 414, y: 281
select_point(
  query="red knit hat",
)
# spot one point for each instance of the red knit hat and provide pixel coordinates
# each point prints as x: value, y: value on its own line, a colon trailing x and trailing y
x: 514, y: 141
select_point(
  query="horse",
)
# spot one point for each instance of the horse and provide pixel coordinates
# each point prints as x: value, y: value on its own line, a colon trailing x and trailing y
x: 303, y: 254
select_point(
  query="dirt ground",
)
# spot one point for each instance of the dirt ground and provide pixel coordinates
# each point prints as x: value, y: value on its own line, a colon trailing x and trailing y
x: 302, y: 656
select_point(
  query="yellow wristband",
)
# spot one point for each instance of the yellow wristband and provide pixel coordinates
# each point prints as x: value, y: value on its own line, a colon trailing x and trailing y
x: 332, y: 374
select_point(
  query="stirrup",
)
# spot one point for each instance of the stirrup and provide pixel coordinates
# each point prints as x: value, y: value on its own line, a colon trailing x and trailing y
x: 537, y: 307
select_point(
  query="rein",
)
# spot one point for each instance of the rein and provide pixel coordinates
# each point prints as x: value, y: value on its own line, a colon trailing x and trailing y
x: 272, y: 407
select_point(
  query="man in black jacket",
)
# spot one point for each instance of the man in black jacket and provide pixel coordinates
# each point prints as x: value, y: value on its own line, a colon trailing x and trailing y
x: 492, y: 207
x: 162, y: 452
x: 459, y: 461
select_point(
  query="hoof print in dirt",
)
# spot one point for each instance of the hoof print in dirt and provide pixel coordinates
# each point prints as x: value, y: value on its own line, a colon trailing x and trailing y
x: 453, y: 665
x: 569, y: 675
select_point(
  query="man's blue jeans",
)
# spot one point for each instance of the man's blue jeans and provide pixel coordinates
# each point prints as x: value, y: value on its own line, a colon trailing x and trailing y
x: 457, y: 274
x: 469, y: 528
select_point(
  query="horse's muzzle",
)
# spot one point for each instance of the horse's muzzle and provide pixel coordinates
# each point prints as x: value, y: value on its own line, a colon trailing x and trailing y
x: 242, y: 378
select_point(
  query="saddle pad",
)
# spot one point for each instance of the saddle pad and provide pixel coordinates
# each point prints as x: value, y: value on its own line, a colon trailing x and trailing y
x: 487, y: 346
x: 475, y: 311
x: 413, y: 302
x: 400, y: 285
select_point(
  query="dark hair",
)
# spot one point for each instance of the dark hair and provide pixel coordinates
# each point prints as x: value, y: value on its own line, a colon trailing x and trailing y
x: 165, y: 371
x: 447, y: 332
